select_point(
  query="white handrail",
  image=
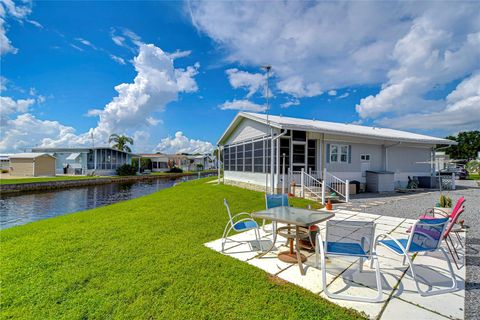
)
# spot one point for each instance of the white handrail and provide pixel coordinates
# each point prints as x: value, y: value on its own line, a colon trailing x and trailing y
x: 312, y: 185
x: 336, y: 184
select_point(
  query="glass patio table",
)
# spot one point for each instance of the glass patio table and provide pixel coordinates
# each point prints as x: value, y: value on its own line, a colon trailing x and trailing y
x: 301, y: 219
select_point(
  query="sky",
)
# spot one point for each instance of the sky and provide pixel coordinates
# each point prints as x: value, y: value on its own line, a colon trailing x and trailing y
x: 174, y: 74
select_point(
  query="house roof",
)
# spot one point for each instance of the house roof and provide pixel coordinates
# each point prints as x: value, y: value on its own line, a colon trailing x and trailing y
x: 31, y: 155
x: 153, y: 155
x: 79, y: 149
x: 337, y: 128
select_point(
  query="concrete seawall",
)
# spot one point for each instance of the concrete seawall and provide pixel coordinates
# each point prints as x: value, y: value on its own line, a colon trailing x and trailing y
x: 49, y: 185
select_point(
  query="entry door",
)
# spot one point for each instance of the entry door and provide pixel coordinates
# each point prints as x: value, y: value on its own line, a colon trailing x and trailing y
x: 299, y: 156
x: 364, y: 164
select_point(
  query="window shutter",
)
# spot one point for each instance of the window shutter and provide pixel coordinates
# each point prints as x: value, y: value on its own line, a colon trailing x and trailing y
x: 349, y: 153
x: 328, y: 153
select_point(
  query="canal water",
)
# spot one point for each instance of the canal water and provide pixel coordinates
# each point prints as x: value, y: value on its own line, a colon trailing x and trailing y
x: 17, y: 209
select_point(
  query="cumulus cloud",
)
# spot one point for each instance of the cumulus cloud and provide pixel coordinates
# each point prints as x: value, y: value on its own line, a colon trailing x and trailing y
x: 10, y: 106
x: 156, y: 84
x: 182, y: 144
x: 412, y: 49
x: 243, y: 105
x: 461, y: 111
x: 332, y: 92
x: 246, y: 80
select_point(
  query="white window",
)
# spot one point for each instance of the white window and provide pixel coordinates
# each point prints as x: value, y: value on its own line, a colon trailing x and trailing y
x: 339, y: 153
x: 365, y: 157
x: 333, y: 153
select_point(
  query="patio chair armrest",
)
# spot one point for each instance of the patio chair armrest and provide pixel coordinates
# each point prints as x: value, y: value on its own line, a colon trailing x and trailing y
x: 385, y: 235
x: 242, y: 214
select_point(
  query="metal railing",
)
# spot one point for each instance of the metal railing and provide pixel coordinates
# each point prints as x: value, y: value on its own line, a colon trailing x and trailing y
x: 314, y: 186
x: 337, y: 185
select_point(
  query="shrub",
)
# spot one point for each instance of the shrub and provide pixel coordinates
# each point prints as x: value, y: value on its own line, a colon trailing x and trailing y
x: 473, y: 166
x: 4, y: 171
x: 445, y: 202
x: 175, y: 170
x: 126, y: 170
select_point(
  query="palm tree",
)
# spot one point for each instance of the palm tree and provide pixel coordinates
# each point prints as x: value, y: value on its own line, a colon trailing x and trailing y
x: 120, y: 142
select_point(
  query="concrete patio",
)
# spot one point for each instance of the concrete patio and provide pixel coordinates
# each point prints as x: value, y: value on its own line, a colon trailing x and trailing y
x: 400, y: 299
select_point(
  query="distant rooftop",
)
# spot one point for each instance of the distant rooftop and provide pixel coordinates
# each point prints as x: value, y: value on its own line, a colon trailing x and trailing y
x: 28, y: 155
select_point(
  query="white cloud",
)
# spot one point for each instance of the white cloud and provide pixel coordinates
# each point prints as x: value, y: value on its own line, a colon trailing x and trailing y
x: 182, y: 144
x: 185, y: 78
x: 156, y: 84
x: 9, y: 105
x: 117, y: 59
x: 246, y: 80
x: 86, y: 43
x: 413, y: 49
x: 461, y: 111
x: 242, y: 105
x: 26, y: 131
x: 3, y: 83
x: 180, y: 54
x: 19, y: 12
x: 332, y: 92
x: 346, y: 94
x: 296, y: 87
x: 293, y: 102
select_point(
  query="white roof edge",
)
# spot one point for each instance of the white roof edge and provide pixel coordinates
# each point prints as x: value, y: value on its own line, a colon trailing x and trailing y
x: 273, y: 123
x: 29, y: 155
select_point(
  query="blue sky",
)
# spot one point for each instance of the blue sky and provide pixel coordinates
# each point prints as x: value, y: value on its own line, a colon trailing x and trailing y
x: 396, y: 65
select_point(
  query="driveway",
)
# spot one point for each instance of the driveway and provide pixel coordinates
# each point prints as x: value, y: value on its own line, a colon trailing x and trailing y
x: 411, y: 205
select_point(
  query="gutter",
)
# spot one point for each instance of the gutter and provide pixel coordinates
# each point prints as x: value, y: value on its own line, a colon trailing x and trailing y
x: 273, y: 139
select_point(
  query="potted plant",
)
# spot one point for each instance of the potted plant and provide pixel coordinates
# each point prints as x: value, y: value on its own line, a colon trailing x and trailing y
x: 445, y: 204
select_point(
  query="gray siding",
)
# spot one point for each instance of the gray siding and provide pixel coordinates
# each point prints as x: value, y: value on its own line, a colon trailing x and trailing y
x: 247, y: 130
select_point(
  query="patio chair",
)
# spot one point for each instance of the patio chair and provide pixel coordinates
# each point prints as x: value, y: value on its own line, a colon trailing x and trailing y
x: 244, y: 224
x: 273, y: 201
x: 426, y: 236
x: 353, y: 239
x: 453, y: 218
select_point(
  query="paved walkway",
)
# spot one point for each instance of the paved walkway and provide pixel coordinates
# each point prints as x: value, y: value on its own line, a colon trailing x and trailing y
x: 400, y: 299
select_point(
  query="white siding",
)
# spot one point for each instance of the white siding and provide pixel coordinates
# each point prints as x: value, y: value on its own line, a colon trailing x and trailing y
x: 247, y: 130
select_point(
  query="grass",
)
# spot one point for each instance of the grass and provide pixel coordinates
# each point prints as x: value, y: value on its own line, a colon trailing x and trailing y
x: 47, y: 179
x: 145, y: 258
x: 474, y: 176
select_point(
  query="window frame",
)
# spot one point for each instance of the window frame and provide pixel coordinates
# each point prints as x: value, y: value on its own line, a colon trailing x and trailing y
x: 339, y: 152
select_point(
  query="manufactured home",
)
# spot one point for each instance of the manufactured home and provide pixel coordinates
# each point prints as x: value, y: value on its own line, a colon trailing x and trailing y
x: 86, y: 161
x: 307, y: 152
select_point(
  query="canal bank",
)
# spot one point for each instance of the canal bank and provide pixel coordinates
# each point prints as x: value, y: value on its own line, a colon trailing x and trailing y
x: 62, y: 184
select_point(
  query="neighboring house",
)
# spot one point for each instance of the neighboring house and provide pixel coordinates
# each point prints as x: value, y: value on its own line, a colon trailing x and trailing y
x: 442, y: 160
x: 32, y: 164
x: 159, y: 161
x: 344, y: 151
x: 181, y: 161
x: 4, y: 161
x: 86, y: 161
x: 205, y: 161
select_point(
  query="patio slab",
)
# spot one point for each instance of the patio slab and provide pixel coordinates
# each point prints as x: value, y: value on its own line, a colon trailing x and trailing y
x: 399, y: 291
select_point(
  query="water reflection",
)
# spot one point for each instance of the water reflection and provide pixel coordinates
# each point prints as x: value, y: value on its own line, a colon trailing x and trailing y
x: 27, y: 207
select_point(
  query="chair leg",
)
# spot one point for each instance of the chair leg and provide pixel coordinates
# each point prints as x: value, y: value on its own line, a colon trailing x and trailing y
x: 453, y: 246
x: 360, y: 264
x: 378, y: 276
x: 452, y: 277
x: 459, y: 240
x: 451, y: 253
x: 259, y: 240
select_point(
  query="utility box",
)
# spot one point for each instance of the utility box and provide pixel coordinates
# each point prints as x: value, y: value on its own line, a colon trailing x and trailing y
x: 380, y: 181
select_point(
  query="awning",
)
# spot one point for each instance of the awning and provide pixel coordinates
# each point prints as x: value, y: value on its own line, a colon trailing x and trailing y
x: 73, y: 156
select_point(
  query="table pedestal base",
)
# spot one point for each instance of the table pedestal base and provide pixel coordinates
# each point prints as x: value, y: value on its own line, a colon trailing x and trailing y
x: 288, y: 257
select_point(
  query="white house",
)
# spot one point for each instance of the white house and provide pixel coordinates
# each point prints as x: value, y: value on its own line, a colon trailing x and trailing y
x: 334, y: 152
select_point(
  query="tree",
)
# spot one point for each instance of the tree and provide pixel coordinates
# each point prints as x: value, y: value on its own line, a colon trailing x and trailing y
x: 120, y: 142
x: 467, y: 147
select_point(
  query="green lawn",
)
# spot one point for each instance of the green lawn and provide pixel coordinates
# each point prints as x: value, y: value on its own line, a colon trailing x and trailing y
x: 474, y: 176
x: 145, y: 259
x: 47, y: 179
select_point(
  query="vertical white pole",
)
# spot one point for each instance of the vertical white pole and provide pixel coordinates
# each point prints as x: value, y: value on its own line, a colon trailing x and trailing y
x: 218, y: 163
x: 283, y: 175
x: 323, y: 192
x: 302, y: 182
x: 347, y: 190
x: 272, y: 162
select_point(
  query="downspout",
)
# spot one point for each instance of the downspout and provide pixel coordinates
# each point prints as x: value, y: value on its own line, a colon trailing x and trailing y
x: 218, y: 163
x: 386, y: 153
x: 272, y: 155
